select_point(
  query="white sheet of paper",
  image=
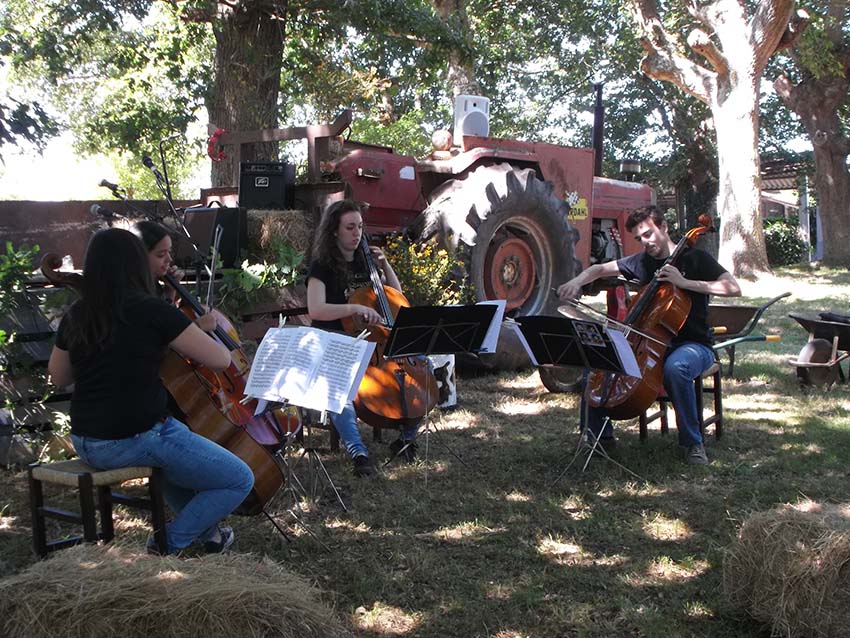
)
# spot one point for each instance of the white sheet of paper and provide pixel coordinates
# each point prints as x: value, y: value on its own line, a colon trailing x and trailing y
x: 491, y: 338
x: 308, y: 367
x: 624, y: 352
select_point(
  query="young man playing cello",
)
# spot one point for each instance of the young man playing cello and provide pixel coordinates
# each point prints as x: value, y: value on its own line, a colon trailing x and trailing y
x: 690, y: 353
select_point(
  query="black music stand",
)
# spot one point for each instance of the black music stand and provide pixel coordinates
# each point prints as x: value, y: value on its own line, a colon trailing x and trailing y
x: 582, y: 343
x: 427, y: 330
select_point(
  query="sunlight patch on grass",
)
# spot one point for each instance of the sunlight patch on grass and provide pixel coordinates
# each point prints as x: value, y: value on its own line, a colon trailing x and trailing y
x: 576, y: 508
x: 463, y: 533
x: 562, y: 551
x: 516, y: 407
x: 518, y: 497
x: 7, y: 522
x: 458, y: 420
x: 698, y: 611
x: 662, y: 528
x: 665, y: 569
x: 385, y: 620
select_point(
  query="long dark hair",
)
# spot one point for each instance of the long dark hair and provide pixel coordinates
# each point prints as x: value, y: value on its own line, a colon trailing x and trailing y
x: 326, y: 249
x: 116, y: 265
x: 150, y: 232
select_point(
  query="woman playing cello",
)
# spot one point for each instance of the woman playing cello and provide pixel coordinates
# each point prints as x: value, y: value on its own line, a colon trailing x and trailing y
x: 158, y: 242
x: 690, y: 354
x: 337, y: 269
x: 110, y: 345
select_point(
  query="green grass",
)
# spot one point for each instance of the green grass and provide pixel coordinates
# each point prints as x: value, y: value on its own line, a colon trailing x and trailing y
x: 490, y: 547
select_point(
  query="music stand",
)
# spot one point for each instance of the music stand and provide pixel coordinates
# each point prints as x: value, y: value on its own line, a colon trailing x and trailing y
x: 582, y: 343
x: 427, y: 330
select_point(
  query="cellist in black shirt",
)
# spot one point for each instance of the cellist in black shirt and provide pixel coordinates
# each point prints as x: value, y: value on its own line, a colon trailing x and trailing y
x: 690, y: 353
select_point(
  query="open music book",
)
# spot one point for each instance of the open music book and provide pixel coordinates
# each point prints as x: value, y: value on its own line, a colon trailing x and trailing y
x: 309, y: 367
x: 561, y: 341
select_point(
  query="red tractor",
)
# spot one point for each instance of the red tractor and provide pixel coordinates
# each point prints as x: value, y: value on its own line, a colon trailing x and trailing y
x: 523, y: 217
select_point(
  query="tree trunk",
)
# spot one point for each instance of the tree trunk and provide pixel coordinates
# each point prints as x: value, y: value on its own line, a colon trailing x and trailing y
x: 244, y: 95
x: 461, y: 75
x: 832, y: 185
x: 817, y: 102
x: 735, y: 110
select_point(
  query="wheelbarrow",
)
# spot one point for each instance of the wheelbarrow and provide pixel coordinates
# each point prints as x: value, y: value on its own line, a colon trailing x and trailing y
x: 736, y: 324
x: 819, y: 362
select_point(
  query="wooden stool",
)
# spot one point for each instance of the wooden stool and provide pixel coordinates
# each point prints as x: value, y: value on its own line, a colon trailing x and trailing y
x: 77, y: 474
x: 716, y: 390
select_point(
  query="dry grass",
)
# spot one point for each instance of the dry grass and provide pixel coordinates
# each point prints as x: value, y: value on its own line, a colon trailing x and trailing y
x: 97, y: 591
x: 491, y: 547
x: 265, y: 227
x: 789, y: 569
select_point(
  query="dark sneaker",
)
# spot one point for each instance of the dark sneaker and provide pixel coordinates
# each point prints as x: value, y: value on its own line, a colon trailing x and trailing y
x: 409, y: 453
x: 226, y: 542
x: 696, y: 455
x: 362, y: 466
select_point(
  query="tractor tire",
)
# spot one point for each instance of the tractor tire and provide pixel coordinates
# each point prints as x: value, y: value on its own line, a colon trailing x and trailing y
x: 511, y: 235
x: 561, y: 380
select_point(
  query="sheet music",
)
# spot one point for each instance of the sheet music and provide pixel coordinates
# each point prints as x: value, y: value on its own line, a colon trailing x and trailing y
x: 562, y: 341
x: 491, y: 338
x: 308, y: 367
x: 624, y: 352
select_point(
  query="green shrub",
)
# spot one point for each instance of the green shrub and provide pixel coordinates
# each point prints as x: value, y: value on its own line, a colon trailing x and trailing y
x: 784, y: 244
x: 427, y: 274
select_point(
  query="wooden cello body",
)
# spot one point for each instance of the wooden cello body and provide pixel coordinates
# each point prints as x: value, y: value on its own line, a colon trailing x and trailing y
x: 655, y: 318
x: 393, y: 392
x: 209, y: 400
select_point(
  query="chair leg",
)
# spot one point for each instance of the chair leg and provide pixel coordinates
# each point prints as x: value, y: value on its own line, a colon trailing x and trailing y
x: 39, y: 531
x: 104, y: 504
x: 731, y: 361
x: 642, y: 424
x: 87, y: 509
x: 665, y: 424
x: 155, y: 489
x: 718, y: 405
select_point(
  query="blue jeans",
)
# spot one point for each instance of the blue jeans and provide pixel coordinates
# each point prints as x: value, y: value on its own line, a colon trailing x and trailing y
x: 345, y: 424
x: 682, y: 365
x: 203, y: 481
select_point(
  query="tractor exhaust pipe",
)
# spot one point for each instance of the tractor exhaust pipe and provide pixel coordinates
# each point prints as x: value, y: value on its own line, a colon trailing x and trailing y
x: 598, y: 130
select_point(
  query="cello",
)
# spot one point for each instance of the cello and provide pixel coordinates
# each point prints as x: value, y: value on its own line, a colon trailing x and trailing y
x: 655, y: 317
x: 393, y: 392
x: 210, y: 401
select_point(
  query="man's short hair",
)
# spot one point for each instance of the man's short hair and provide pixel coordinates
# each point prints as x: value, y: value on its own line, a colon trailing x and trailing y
x: 641, y: 214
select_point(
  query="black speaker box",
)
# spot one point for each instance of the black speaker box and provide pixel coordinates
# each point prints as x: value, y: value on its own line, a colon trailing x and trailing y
x: 201, y: 224
x: 266, y: 185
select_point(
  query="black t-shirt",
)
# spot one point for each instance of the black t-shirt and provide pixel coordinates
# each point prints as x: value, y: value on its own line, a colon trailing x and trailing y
x: 694, y: 264
x: 337, y: 291
x: 117, y: 390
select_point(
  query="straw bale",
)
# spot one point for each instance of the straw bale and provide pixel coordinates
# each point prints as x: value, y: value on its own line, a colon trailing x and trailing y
x: 295, y: 227
x: 103, y: 591
x: 789, y: 569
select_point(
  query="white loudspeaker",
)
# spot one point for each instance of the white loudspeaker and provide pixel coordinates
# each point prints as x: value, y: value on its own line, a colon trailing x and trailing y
x: 472, y: 117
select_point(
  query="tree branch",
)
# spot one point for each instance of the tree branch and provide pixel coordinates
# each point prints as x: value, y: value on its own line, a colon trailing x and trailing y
x: 701, y: 43
x: 769, y: 22
x: 663, y: 59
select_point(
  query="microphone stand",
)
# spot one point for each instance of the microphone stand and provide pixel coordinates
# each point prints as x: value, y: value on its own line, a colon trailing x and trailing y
x: 165, y: 188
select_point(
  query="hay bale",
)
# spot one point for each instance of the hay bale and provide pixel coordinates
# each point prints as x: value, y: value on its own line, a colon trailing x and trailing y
x: 789, y: 569
x: 295, y: 227
x: 102, y: 591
